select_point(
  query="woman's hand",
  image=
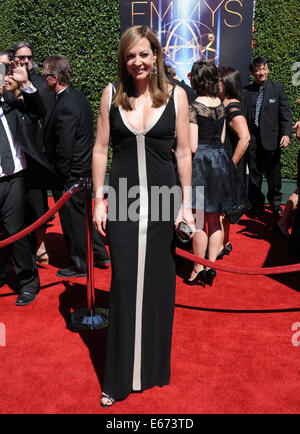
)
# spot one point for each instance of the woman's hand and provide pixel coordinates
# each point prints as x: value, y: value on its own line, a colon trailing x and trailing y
x: 100, y: 216
x: 186, y: 215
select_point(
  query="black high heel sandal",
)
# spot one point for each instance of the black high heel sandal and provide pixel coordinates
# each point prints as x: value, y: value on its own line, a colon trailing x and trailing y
x: 198, y: 280
x: 111, y: 401
x: 210, y: 274
x: 225, y: 251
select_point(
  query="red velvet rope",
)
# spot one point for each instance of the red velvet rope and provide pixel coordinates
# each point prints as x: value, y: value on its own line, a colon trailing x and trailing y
x: 186, y: 255
x: 238, y: 269
x: 42, y: 220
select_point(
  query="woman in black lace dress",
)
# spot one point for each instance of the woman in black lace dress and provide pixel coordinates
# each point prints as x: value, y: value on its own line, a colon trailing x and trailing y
x: 237, y: 134
x: 214, y: 180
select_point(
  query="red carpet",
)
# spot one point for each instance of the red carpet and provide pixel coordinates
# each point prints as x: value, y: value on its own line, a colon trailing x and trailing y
x: 232, y: 343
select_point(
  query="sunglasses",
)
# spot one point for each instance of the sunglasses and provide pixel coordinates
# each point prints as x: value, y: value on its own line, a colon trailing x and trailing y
x: 47, y: 75
x: 24, y: 57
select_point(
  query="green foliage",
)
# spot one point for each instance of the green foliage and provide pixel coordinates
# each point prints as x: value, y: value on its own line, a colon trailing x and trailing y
x: 88, y: 33
x: 277, y: 36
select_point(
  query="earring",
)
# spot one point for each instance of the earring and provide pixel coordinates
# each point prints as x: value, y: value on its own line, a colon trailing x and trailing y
x: 154, y: 69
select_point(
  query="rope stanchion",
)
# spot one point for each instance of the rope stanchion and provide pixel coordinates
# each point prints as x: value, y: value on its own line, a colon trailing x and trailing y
x: 92, y: 317
x: 42, y: 220
x: 238, y: 269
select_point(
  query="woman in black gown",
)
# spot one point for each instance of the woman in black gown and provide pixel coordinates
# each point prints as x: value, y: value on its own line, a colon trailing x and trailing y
x: 214, y: 180
x: 237, y: 134
x: 142, y: 114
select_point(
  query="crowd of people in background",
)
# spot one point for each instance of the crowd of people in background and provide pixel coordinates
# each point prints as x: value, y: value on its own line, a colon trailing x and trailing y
x: 47, y: 137
x: 212, y: 133
x: 55, y: 150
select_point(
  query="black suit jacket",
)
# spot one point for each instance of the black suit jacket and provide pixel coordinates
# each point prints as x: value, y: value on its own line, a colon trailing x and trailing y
x: 47, y: 97
x: 69, y: 135
x: 275, y: 119
x: 22, y: 116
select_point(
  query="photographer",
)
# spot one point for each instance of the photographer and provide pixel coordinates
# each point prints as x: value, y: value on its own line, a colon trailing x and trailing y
x: 14, y: 147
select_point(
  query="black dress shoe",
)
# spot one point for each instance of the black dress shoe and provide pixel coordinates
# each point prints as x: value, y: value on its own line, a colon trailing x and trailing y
x: 101, y: 263
x: 25, y: 298
x: 276, y: 209
x: 70, y: 272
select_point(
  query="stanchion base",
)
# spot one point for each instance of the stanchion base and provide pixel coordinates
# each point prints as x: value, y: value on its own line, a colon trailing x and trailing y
x: 82, y: 319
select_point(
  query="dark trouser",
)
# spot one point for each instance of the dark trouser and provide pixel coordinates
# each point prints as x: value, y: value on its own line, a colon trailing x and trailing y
x: 12, y: 206
x: 36, y: 205
x: 262, y: 162
x: 295, y: 237
x: 72, y: 218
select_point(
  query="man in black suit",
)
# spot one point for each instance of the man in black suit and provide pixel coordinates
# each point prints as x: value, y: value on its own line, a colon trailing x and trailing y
x: 4, y: 59
x: 270, y: 128
x: 69, y: 140
x: 15, y: 145
x: 36, y: 191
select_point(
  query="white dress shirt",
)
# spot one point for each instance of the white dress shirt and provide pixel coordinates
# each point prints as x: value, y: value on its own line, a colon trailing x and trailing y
x: 16, y: 150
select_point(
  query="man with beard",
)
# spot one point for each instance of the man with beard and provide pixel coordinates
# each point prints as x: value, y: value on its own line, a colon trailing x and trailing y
x: 23, y: 52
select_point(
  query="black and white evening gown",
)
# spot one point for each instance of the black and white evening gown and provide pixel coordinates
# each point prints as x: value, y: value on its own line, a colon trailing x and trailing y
x: 142, y: 293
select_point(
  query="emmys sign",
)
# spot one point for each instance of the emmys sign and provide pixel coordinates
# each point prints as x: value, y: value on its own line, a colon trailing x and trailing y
x: 216, y: 30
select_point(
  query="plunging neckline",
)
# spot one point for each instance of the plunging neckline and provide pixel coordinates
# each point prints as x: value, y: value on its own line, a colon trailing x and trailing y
x: 155, y: 118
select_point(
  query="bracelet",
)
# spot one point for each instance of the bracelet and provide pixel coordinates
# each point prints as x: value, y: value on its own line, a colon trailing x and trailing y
x: 186, y: 206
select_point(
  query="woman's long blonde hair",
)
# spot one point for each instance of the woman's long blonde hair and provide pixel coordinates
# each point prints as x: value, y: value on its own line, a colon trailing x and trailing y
x: 159, y: 84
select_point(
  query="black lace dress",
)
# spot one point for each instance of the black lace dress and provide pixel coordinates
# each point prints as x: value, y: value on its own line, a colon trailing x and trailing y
x: 213, y: 170
x: 231, y: 111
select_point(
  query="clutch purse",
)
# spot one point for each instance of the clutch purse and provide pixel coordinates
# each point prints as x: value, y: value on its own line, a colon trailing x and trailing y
x: 183, y: 233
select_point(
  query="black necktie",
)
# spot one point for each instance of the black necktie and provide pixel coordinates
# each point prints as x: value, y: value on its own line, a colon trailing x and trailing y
x: 7, y: 161
x: 258, y: 105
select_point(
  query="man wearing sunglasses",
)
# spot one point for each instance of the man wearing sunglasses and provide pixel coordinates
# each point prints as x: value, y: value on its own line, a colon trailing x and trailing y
x: 22, y: 53
x: 15, y: 146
